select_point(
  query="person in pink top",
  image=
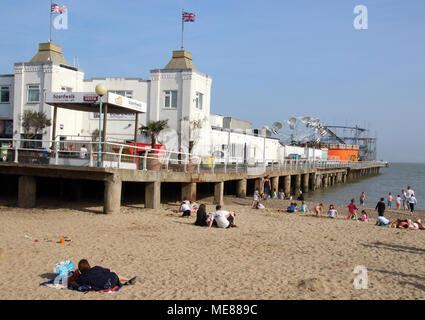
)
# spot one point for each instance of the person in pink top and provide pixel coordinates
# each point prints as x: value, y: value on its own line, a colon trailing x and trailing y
x: 352, y: 209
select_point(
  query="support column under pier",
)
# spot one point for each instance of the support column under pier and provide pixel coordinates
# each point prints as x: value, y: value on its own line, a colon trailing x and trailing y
x: 219, y: 193
x: 275, y: 184
x: 297, y: 186
x: 27, y: 190
x: 287, y: 185
x: 112, y: 196
x: 188, y: 191
x: 259, y: 185
x: 241, y: 188
x: 153, y: 195
x: 305, y: 182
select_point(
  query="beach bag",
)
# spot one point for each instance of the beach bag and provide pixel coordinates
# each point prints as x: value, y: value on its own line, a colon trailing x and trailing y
x: 64, y: 267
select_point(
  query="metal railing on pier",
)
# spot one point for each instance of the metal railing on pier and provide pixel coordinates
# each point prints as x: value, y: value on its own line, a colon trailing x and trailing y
x: 86, y: 153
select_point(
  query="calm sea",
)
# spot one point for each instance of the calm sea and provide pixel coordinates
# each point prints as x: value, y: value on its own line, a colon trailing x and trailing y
x: 398, y: 176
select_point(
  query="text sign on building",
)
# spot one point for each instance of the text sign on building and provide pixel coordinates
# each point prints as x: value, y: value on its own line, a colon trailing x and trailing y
x: 76, y: 97
x: 125, y: 102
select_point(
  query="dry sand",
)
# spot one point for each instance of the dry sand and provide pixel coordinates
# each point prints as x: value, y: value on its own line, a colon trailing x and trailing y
x: 270, y: 255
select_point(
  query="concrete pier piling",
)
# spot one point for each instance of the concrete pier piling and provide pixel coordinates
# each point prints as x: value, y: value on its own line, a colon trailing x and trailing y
x: 188, y: 191
x: 112, y: 196
x: 241, y: 188
x: 153, y: 195
x: 305, y: 182
x: 219, y: 193
x: 287, y: 185
x: 27, y: 190
x: 275, y: 184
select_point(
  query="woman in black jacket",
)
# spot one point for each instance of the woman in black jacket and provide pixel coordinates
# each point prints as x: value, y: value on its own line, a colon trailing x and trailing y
x: 201, y: 216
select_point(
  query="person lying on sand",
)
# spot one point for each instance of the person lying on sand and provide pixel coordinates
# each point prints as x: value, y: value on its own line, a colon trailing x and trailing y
x: 382, y: 221
x: 409, y: 224
x: 258, y: 205
x: 224, y: 219
x: 97, y: 277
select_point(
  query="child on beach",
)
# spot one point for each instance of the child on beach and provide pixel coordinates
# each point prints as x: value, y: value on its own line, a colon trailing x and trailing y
x: 352, y: 210
x: 259, y: 205
x: 318, y: 210
x: 303, y: 207
x: 362, y: 199
x: 296, y: 209
x: 291, y: 208
x: 398, y: 202
x: 186, y: 209
x: 274, y: 194
x: 255, y: 198
x: 281, y: 195
x: 364, y: 216
x: 390, y: 200
x: 380, y: 206
x: 332, y: 212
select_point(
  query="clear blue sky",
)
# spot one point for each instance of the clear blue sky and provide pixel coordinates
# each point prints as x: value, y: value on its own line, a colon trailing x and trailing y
x: 268, y: 59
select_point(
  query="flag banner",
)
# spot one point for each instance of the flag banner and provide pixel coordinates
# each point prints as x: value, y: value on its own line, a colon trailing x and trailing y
x: 57, y: 8
x: 188, y: 17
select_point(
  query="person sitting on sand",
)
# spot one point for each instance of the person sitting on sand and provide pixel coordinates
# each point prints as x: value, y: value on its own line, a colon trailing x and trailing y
x: 281, y: 195
x: 274, y: 194
x: 259, y: 205
x: 255, y: 198
x: 318, y: 210
x: 303, y: 207
x: 352, y: 210
x: 201, y: 216
x: 291, y: 208
x: 364, y: 216
x: 296, y: 209
x: 185, y: 208
x: 97, y: 277
x: 194, y: 206
x: 224, y: 219
x: 300, y: 196
x: 332, y: 212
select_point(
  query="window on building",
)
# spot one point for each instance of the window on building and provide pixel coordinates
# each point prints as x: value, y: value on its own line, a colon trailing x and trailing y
x: 199, y: 99
x: 66, y: 89
x: 34, y: 93
x: 170, y: 101
x: 4, y: 94
x: 128, y: 94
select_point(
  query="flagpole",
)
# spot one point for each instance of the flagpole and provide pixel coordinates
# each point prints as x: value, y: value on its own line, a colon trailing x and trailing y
x: 51, y: 3
x: 182, y: 30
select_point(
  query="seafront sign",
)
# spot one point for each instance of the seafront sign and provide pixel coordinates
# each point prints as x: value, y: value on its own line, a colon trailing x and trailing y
x: 87, y: 101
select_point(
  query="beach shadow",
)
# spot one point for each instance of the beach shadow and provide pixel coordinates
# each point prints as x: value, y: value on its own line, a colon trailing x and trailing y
x: 48, y: 276
x: 394, y: 247
x: 399, y: 274
x: 416, y: 285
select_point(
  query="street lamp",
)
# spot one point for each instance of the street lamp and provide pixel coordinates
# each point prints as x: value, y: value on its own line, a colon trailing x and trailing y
x: 101, y: 90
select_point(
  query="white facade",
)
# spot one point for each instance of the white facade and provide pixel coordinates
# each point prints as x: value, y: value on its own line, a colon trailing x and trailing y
x: 181, y: 95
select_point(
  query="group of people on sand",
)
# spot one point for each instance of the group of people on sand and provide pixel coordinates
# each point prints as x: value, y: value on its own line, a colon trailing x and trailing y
x: 406, y: 200
x: 219, y: 218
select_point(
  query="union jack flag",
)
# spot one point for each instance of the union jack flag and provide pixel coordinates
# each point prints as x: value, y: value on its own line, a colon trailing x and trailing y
x: 57, y: 8
x: 188, y: 17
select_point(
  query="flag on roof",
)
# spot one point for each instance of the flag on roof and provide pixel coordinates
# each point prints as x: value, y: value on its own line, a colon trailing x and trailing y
x: 188, y: 17
x: 57, y: 8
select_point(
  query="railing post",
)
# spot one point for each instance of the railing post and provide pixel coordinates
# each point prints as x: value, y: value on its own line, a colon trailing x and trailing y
x: 91, y: 156
x: 236, y: 168
x: 56, y: 153
x: 145, y: 160
x: 168, y: 161
x: 16, y: 151
x: 119, y: 156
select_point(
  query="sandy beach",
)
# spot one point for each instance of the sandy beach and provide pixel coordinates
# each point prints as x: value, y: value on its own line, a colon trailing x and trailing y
x: 270, y: 255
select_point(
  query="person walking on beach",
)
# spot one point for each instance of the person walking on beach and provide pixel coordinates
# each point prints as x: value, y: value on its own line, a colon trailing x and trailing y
x: 333, y: 213
x: 318, y: 210
x: 267, y: 186
x: 404, y: 199
x: 412, y: 203
x: 390, y: 200
x: 224, y: 219
x: 398, y: 202
x: 363, y: 199
x: 352, y: 209
x: 410, y: 191
x: 380, y: 206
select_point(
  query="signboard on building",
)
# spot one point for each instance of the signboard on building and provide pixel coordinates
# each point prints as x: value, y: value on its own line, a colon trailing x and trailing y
x: 75, y: 97
x: 127, y: 103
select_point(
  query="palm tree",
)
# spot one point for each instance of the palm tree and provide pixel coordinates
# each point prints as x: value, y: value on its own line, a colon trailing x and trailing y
x: 153, y: 129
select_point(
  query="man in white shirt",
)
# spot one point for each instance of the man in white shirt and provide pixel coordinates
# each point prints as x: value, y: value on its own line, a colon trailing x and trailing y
x: 224, y: 219
x: 83, y: 151
x: 410, y: 191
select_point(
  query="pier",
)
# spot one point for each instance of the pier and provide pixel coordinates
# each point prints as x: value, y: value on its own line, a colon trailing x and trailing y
x: 150, y: 186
